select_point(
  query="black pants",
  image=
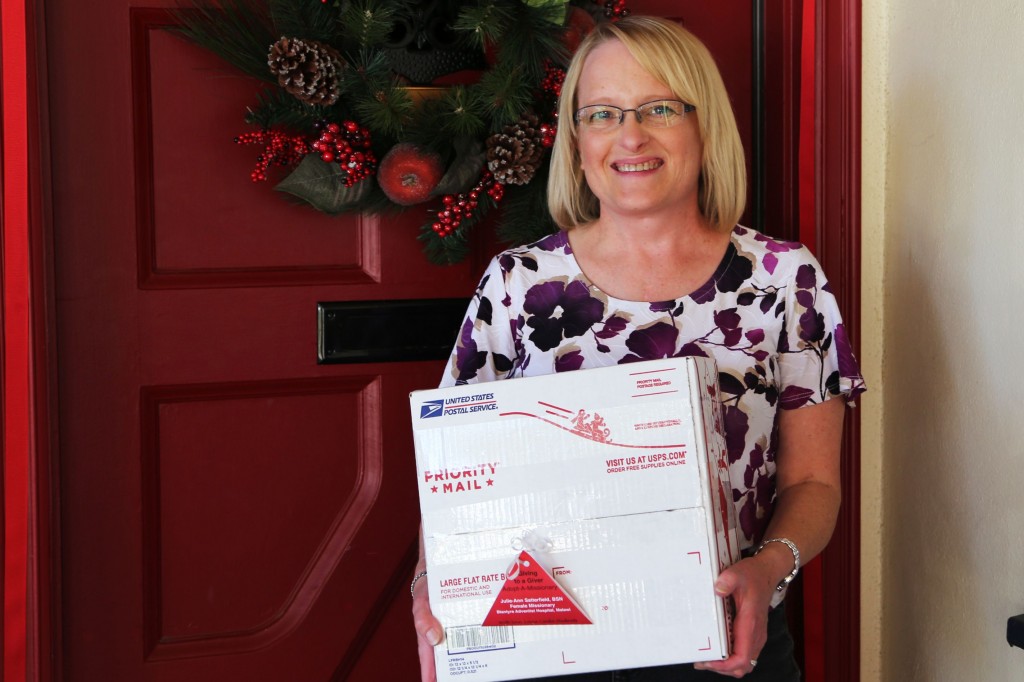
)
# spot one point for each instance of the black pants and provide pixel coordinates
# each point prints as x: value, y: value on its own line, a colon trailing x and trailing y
x: 775, y: 664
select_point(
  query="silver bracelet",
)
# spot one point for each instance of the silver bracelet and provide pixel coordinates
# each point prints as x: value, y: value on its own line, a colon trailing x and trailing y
x: 796, y: 560
x: 415, y: 579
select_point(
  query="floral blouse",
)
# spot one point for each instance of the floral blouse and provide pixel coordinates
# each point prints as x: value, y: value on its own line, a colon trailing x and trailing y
x: 767, y: 316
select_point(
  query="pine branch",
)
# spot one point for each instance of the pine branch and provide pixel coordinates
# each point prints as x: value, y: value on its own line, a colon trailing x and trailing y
x: 370, y: 72
x: 238, y: 31
x: 276, y: 108
x: 366, y: 22
x: 456, y: 114
x: 524, y: 211
x: 533, y: 36
x: 483, y: 24
x: 453, y: 248
x: 386, y: 111
x: 304, y: 19
x: 443, y: 250
x: 504, y: 94
x: 373, y: 95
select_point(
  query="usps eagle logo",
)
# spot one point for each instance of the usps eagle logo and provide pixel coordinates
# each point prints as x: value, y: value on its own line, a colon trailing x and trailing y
x: 431, y: 408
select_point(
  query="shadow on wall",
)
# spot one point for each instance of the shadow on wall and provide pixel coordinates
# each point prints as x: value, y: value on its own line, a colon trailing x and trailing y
x: 952, y: 560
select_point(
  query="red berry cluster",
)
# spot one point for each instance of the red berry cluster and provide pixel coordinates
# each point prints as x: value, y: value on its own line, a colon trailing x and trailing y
x: 281, y: 149
x: 348, y: 145
x: 615, y: 9
x: 458, y: 207
x: 553, y: 79
x: 547, y: 132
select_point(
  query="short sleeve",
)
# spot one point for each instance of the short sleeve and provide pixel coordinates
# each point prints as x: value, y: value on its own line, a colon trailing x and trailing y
x: 485, y: 349
x: 816, y: 360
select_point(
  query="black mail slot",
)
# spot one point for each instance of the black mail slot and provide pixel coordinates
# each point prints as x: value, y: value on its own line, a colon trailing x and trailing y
x: 388, y: 331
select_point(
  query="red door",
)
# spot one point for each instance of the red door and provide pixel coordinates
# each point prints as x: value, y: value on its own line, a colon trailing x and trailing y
x: 230, y: 509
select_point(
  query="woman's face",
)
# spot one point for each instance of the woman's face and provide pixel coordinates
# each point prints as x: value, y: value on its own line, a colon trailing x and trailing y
x: 635, y: 170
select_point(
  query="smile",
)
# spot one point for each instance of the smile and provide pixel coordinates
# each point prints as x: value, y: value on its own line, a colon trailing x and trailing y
x: 636, y: 167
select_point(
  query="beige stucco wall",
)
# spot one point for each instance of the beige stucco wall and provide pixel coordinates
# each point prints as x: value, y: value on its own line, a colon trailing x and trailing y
x: 943, y: 325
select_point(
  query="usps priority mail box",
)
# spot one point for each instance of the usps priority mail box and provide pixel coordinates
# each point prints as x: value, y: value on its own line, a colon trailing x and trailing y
x: 576, y: 522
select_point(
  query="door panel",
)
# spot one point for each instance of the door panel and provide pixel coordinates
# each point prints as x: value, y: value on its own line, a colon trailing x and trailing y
x: 230, y: 509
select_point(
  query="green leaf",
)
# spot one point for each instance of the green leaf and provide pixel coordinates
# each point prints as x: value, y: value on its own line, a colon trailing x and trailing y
x: 555, y: 10
x: 322, y: 186
x: 465, y: 169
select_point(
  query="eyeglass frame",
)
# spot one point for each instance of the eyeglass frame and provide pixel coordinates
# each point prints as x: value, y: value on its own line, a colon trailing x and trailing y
x: 687, y: 109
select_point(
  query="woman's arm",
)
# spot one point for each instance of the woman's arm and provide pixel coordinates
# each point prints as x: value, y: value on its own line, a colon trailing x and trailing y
x: 806, y: 481
x: 428, y: 629
x: 808, y: 495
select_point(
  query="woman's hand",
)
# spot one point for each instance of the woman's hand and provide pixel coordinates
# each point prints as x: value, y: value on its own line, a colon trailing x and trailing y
x: 807, y: 502
x: 428, y: 631
x: 751, y: 584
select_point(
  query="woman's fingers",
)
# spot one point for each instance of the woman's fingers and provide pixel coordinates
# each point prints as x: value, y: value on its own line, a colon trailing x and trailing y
x: 429, y: 633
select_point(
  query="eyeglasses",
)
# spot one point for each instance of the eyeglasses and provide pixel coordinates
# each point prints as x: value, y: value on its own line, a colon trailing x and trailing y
x: 661, y: 113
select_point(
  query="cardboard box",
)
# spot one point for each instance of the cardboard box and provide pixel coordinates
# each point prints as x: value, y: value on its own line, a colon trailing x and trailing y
x: 597, y: 496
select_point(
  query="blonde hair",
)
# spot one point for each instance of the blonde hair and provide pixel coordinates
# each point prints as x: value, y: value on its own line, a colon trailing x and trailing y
x: 678, y: 59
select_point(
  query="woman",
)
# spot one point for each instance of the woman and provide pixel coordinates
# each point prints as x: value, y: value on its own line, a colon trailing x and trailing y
x: 647, y: 183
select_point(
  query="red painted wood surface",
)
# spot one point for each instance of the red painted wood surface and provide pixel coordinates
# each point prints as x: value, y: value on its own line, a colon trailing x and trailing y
x: 26, y: 350
x: 230, y: 509
x: 15, y: 369
x: 838, y: 230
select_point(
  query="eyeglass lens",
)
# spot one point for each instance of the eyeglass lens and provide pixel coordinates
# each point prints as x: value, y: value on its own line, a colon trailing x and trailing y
x: 657, y: 114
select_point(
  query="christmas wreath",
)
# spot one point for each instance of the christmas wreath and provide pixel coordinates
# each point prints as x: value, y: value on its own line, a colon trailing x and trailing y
x: 370, y: 106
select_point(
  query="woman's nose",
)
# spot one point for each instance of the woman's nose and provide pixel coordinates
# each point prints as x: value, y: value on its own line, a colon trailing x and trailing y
x: 631, y: 133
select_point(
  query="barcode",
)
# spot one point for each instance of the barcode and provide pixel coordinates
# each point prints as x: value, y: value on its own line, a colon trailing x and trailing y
x: 477, y: 638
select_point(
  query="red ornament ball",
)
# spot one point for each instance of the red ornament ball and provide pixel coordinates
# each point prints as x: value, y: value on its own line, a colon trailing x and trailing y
x: 409, y: 173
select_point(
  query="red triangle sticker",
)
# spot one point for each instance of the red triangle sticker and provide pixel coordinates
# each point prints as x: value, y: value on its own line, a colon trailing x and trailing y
x: 530, y: 596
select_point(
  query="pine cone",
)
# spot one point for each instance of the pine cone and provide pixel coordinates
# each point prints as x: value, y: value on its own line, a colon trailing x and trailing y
x: 307, y: 69
x: 514, y: 154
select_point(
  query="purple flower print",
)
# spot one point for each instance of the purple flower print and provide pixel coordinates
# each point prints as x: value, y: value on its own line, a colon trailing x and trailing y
x: 483, y: 313
x: 558, y: 240
x: 812, y: 326
x: 691, y: 349
x: 805, y: 298
x: 732, y: 275
x: 768, y: 301
x: 728, y: 322
x: 651, y: 343
x: 568, y: 362
x: 753, y: 514
x: 731, y: 385
x: 502, y: 363
x: 795, y: 396
x: 844, y: 353
x: 611, y: 328
x: 806, y: 276
x: 736, y: 274
x: 560, y: 311
x: 748, y: 516
x: 736, y: 426
x: 773, y: 246
x: 468, y: 360
x: 507, y: 261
